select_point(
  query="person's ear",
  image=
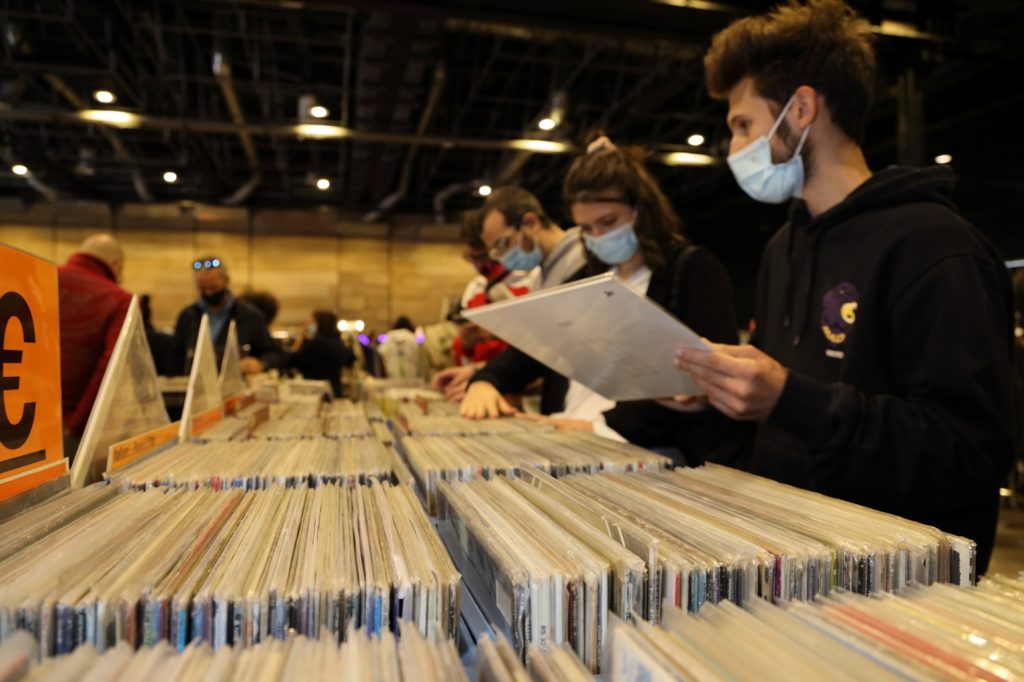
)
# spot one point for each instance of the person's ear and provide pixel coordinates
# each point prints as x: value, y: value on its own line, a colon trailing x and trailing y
x: 530, y: 223
x: 805, y: 108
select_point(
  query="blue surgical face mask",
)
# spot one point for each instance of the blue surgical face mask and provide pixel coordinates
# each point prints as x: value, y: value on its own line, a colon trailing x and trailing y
x: 614, y: 247
x: 518, y: 259
x: 771, y: 183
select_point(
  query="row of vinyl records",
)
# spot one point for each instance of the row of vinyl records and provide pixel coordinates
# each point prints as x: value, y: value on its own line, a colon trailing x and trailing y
x: 556, y: 557
x: 234, y: 567
x: 461, y: 458
x: 242, y: 427
x: 938, y: 632
x: 258, y: 464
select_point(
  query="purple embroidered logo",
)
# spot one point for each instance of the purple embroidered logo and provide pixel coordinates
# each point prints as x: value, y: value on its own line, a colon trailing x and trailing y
x: 838, y: 313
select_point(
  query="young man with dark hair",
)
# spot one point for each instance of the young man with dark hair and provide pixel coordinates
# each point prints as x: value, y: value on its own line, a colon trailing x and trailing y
x: 879, y: 368
x: 517, y: 233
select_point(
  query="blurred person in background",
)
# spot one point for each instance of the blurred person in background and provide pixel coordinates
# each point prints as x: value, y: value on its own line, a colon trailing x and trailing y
x: 92, y: 310
x: 265, y: 301
x: 399, y: 351
x: 474, y: 345
x: 258, y: 350
x: 319, y: 353
x: 519, y: 234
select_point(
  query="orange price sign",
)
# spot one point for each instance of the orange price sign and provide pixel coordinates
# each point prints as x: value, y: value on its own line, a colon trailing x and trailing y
x: 31, y: 439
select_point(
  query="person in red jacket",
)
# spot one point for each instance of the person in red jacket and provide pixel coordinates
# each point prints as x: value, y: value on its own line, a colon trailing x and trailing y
x: 92, y: 310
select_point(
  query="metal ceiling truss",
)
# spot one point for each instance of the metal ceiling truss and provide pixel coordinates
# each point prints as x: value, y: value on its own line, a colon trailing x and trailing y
x: 430, y: 96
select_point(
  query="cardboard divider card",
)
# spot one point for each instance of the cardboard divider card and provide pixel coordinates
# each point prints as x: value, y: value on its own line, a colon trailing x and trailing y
x: 203, y: 401
x: 129, y: 402
x: 31, y: 439
x: 611, y: 339
x: 232, y: 382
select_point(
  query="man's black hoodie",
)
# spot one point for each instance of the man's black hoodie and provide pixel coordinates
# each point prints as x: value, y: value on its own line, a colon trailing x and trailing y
x: 894, y: 318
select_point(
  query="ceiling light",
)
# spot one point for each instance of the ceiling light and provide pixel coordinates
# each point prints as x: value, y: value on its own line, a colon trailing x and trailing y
x: 688, y: 159
x: 360, y: 325
x: 695, y: 140
x: 320, y: 130
x: 546, y: 124
x: 540, y: 146
x: 943, y: 158
x: 104, y: 97
x: 323, y: 183
x: 114, y: 117
x: 170, y: 177
x: 342, y: 325
x: 318, y: 111
x: 19, y: 169
x: 485, y: 190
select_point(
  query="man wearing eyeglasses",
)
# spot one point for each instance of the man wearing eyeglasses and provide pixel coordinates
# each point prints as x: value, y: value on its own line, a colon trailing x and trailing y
x: 257, y: 348
x: 520, y: 235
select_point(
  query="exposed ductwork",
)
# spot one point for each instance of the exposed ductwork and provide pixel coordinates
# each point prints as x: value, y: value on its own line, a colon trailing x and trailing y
x: 391, y: 200
x: 222, y: 71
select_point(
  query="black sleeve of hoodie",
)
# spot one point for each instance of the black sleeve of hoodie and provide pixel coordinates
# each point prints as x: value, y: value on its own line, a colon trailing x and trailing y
x: 942, y: 436
x: 511, y: 372
x: 704, y: 301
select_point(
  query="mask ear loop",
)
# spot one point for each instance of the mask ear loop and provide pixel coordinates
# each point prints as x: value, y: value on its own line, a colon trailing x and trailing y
x: 778, y: 122
x: 782, y: 115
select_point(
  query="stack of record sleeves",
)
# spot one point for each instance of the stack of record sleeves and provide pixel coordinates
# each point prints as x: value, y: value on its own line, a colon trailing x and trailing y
x: 556, y: 556
x: 232, y: 567
x: 461, y: 458
x: 255, y: 465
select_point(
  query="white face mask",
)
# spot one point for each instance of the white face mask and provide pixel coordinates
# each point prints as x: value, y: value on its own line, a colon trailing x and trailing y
x: 771, y: 183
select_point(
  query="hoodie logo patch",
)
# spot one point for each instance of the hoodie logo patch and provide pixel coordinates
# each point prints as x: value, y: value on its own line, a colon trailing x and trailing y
x: 838, y: 315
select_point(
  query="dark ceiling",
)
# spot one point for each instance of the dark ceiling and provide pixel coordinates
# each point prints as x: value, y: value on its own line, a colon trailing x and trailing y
x: 444, y: 86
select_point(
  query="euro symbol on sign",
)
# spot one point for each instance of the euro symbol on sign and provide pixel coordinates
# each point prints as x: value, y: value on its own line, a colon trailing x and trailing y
x: 14, y: 307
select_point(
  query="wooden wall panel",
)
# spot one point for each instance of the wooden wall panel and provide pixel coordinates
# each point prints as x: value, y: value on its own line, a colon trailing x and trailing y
x: 300, y: 271
x: 33, y: 239
x: 423, y: 275
x: 158, y: 263
x: 369, y: 277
